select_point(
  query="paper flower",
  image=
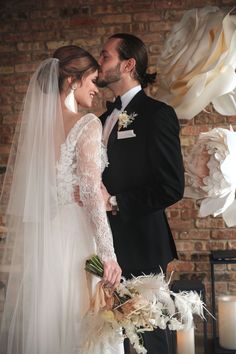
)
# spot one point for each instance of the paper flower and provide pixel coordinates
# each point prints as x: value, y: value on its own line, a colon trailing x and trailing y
x: 210, y: 167
x: 198, y: 62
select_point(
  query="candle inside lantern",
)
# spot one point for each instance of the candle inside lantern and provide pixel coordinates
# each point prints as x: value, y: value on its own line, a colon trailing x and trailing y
x: 185, y: 341
x: 227, y: 321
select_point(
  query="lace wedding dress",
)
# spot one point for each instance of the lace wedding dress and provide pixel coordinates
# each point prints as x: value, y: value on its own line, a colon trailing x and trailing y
x: 83, y: 232
x: 49, y: 236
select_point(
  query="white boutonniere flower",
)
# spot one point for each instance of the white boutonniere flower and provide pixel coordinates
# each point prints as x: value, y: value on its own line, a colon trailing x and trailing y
x: 125, y: 119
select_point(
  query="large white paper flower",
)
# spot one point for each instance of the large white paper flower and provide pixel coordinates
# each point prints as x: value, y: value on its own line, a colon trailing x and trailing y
x: 198, y: 62
x: 210, y: 167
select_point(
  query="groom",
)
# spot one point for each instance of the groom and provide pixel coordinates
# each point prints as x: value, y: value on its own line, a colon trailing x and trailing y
x: 145, y: 173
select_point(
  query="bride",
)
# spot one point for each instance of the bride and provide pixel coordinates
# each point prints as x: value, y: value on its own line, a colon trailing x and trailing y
x: 55, y: 149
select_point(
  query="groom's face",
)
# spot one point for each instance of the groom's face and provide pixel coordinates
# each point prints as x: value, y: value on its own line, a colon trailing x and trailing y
x: 110, y: 65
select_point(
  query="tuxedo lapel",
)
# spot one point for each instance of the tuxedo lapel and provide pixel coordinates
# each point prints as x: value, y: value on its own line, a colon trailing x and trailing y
x: 103, y: 117
x: 130, y: 108
x: 113, y: 135
x: 135, y: 103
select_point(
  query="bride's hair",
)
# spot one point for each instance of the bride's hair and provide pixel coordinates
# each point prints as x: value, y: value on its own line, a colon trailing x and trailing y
x: 74, y: 62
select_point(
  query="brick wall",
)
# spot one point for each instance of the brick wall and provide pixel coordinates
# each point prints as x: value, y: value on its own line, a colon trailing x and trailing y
x: 31, y: 30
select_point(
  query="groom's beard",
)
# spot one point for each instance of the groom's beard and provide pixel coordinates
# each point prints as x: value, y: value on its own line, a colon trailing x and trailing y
x: 110, y: 76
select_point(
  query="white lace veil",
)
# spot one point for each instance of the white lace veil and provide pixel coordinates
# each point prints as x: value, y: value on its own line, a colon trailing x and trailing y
x: 30, y: 209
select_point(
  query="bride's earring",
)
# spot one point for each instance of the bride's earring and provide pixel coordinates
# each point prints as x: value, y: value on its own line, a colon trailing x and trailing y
x: 70, y: 101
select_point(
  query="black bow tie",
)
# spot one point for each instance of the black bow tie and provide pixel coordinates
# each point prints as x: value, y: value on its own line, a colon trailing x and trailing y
x: 112, y: 105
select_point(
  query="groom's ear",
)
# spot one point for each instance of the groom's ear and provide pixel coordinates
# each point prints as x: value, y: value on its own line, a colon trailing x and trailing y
x: 129, y: 65
x: 69, y: 80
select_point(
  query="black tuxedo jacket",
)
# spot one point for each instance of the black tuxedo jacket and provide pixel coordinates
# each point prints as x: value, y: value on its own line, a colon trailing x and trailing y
x: 146, y: 175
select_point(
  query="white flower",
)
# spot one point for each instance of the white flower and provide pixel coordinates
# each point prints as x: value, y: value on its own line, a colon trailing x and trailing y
x: 125, y: 119
x: 198, y: 62
x: 210, y: 167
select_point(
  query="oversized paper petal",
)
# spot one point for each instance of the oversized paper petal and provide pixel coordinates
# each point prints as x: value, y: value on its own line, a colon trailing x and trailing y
x: 210, y: 167
x: 197, y: 64
x: 226, y: 104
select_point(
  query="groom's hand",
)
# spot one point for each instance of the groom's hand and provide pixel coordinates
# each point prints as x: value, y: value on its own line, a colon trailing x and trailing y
x: 106, y: 197
x: 77, y: 196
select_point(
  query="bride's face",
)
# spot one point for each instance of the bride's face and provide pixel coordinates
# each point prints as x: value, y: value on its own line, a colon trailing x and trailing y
x: 86, y: 90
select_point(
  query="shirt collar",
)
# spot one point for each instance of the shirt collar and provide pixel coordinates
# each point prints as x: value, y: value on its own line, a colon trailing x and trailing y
x: 128, y: 96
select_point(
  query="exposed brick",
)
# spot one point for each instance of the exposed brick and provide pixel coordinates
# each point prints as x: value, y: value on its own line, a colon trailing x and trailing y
x: 136, y: 6
x: 204, y: 118
x: 200, y: 257
x: 173, y: 213
x: 181, y: 224
x: 6, y: 69
x: 184, y: 246
x: 202, y: 267
x: 216, y: 245
x: 23, y: 46
x: 21, y: 88
x: 139, y: 28
x: 46, y: 35
x: 184, y: 204
x: 31, y: 31
x: 232, y: 119
x: 180, y: 266
x: 6, y: 134
x: 188, y: 214
x: 194, y: 276
x: 226, y: 234
x: 25, y: 68
x: 9, y: 119
x: 110, y: 19
x: 187, y: 140
x: 195, y: 235
x: 56, y: 44
x: 107, y: 9
x: 23, y: 26
x: 206, y: 223
x: 88, y: 42
x: 194, y: 130
x: 160, y: 26
x: 81, y: 21
x: 41, y: 14
x: 231, y: 244
x: 147, y: 17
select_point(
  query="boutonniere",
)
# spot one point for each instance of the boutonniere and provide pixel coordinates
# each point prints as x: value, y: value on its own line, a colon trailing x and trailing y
x: 125, y: 119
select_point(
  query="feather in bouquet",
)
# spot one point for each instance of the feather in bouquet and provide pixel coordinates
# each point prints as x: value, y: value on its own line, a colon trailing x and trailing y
x: 210, y: 167
x: 137, y: 305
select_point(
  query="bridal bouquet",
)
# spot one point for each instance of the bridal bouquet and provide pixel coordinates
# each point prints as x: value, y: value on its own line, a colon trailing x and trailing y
x: 137, y: 305
x: 210, y: 168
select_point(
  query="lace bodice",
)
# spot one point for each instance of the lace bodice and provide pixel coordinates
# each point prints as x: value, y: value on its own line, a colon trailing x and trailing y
x: 82, y: 160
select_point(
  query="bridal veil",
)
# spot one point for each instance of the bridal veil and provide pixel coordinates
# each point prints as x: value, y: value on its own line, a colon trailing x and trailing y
x: 29, y: 201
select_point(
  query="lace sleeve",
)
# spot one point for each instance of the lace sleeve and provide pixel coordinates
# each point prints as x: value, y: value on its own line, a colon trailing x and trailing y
x: 88, y: 152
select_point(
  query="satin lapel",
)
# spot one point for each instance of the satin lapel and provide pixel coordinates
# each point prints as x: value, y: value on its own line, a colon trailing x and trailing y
x: 134, y: 103
x: 103, y: 118
x: 113, y: 135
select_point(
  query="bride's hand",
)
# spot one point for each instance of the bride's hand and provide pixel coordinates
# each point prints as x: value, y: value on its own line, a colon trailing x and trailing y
x: 112, y: 273
x: 77, y: 196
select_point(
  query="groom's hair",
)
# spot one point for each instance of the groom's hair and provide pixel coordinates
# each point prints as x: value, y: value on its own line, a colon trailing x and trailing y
x: 129, y: 47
